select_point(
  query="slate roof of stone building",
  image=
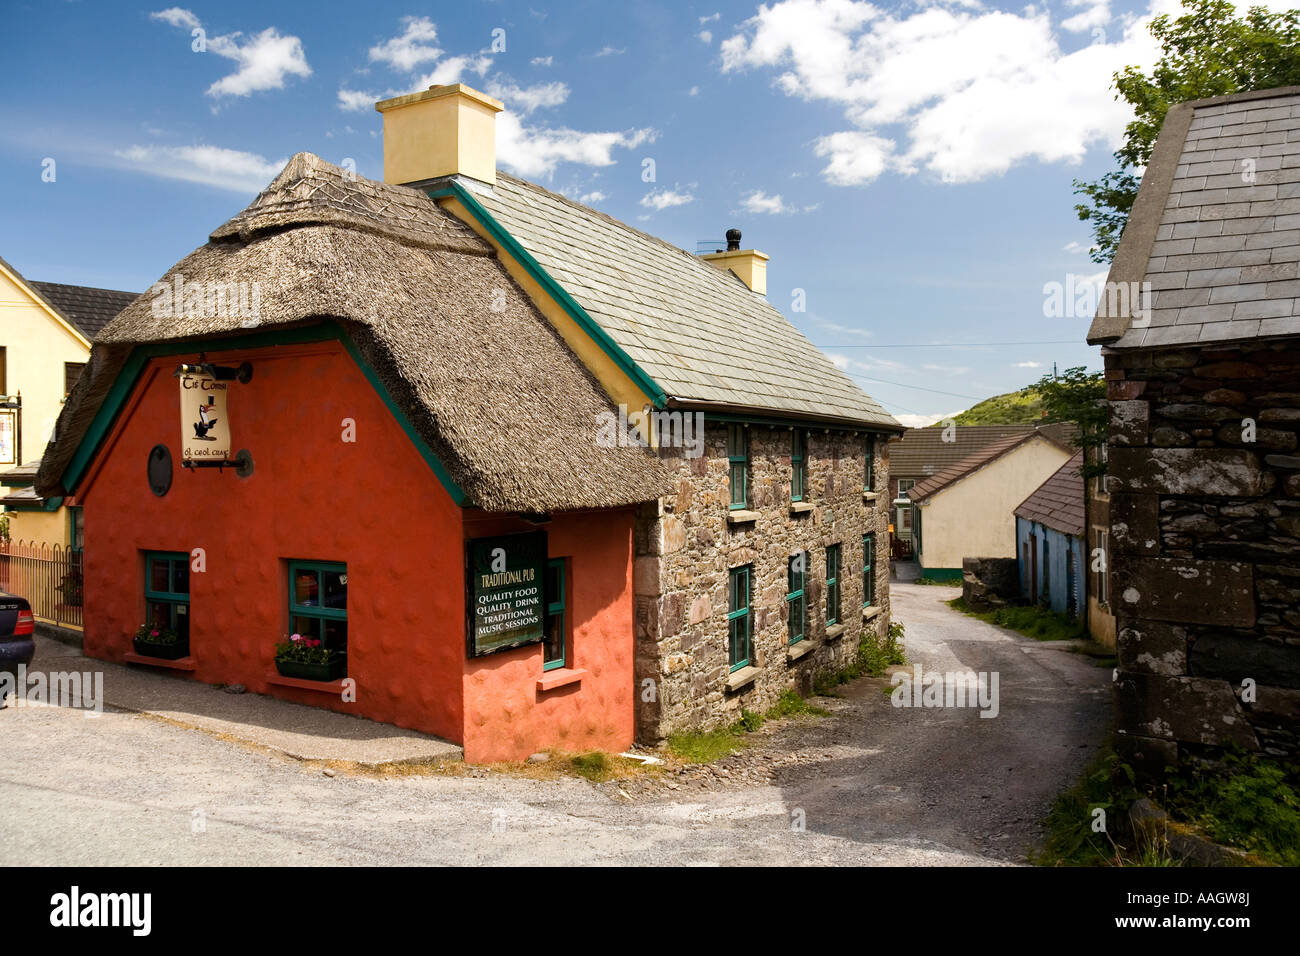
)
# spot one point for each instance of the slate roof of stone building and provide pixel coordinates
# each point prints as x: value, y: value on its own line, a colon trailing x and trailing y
x: 1058, y: 502
x: 1215, y: 227
x: 922, y: 451
x: 973, y: 463
x: 700, y: 333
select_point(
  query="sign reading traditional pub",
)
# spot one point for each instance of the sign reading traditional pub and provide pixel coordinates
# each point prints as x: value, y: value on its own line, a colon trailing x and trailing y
x: 205, y: 425
x: 9, y: 436
x: 507, y: 604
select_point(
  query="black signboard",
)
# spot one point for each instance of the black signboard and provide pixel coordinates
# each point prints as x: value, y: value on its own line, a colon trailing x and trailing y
x: 507, y: 603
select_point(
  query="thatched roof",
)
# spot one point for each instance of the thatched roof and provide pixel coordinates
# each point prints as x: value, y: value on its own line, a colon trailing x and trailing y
x: 483, y: 377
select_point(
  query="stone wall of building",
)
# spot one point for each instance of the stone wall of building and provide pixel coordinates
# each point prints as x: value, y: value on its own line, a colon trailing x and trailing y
x: 685, y: 546
x: 1205, y: 549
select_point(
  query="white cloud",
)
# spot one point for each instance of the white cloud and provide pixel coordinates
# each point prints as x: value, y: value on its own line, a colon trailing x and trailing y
x: 1028, y: 365
x: 660, y: 199
x: 528, y: 98
x: 541, y: 61
x: 264, y: 59
x: 353, y: 100
x: 414, y: 46
x: 711, y: 18
x: 760, y: 202
x: 611, y: 51
x: 693, y: 91
x: 1095, y: 13
x: 452, y: 69
x: 177, y: 17
x: 592, y: 197
x: 923, y: 421
x: 536, y: 151
x: 705, y: 35
x: 229, y: 169
x: 962, y: 93
x: 1075, y: 248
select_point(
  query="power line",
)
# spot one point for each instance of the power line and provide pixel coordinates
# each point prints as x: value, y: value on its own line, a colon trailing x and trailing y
x: 948, y: 345
x: 919, y: 388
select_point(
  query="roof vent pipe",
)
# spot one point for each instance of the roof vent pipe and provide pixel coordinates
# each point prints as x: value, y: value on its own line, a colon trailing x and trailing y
x: 733, y: 240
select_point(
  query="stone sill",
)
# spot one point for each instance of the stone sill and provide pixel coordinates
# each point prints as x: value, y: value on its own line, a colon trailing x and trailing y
x: 800, y: 507
x: 870, y: 495
x: 180, y: 664
x: 560, y: 677
x: 835, y: 632
x: 802, y: 649
x: 742, y: 677
x: 871, y: 612
x: 741, y: 517
x: 333, y: 687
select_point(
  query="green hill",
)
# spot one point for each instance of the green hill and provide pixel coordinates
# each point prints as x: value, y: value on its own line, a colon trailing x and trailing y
x: 1024, y: 407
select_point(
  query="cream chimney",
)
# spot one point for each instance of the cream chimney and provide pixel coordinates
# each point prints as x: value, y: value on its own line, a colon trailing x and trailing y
x: 749, y: 265
x: 441, y: 131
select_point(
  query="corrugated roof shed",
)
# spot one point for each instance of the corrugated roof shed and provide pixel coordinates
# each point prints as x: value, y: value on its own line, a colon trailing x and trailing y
x: 699, y: 332
x: 1058, y: 502
x: 1215, y: 228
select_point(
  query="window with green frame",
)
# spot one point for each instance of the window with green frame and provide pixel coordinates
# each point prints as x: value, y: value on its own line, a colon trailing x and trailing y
x: 738, y: 465
x: 832, y: 584
x: 796, y: 598
x: 167, y: 590
x: 739, y: 650
x: 318, y: 602
x: 556, y: 642
x: 76, y: 528
x: 869, y: 481
x: 798, y: 464
x: 868, y: 570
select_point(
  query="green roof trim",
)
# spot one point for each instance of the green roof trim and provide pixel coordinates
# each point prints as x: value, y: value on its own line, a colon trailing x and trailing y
x: 140, y: 356
x: 45, y: 504
x: 597, y: 334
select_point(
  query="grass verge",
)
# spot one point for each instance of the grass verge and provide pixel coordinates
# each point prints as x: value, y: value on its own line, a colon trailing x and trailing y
x: 711, y: 745
x: 1030, y: 620
x: 874, y: 655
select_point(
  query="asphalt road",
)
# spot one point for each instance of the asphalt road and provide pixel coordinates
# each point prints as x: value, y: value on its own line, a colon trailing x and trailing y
x: 872, y: 784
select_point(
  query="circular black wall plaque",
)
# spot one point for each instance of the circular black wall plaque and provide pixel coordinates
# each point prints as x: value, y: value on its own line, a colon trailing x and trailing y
x: 160, y: 470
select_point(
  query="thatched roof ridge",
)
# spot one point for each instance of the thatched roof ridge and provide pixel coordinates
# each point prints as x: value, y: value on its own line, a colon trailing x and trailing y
x: 486, y: 381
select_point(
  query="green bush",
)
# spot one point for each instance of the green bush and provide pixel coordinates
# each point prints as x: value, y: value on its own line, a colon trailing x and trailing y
x: 1033, y: 621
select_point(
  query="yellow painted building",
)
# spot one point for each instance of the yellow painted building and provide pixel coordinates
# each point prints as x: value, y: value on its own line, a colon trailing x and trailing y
x: 45, y: 334
x: 968, y: 510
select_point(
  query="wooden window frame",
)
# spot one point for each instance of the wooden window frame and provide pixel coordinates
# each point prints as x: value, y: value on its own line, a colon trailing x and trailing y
x: 739, y: 616
x: 833, y: 558
x: 798, y: 464
x: 868, y: 570
x: 174, y: 599
x: 558, y: 608
x: 796, y: 597
x: 738, y: 464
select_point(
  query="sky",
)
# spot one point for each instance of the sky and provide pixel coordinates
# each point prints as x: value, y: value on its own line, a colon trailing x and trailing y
x: 907, y: 166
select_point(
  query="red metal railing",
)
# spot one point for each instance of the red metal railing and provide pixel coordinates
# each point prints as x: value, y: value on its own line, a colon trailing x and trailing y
x: 49, y: 578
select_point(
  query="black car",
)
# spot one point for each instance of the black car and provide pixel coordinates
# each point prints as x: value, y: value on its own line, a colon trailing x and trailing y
x: 17, y: 632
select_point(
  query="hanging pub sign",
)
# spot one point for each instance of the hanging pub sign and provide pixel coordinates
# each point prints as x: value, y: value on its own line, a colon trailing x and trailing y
x: 507, y: 606
x: 9, y: 436
x: 205, y: 425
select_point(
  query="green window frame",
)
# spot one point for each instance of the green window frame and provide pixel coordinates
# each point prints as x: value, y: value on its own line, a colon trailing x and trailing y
x: 868, y: 570
x: 738, y: 466
x: 555, y: 645
x: 167, y: 590
x: 869, y: 465
x: 796, y: 598
x: 798, y: 464
x: 739, y: 625
x: 76, y: 528
x: 318, y: 602
x: 832, y: 584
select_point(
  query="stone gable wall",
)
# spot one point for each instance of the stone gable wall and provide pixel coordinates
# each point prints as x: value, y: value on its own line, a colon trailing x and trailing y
x: 685, y: 547
x: 1205, y: 548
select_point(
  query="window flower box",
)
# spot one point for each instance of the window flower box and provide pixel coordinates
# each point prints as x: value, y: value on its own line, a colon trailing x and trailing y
x: 329, y: 671
x: 160, y: 642
x: 305, y: 658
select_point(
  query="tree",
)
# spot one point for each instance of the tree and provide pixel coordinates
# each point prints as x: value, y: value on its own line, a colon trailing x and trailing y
x: 1207, y: 51
x: 1079, y: 397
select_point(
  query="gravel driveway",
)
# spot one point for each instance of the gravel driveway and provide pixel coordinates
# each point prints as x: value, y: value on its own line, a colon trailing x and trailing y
x: 872, y: 784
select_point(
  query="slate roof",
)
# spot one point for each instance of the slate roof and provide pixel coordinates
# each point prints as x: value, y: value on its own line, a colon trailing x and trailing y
x: 922, y: 452
x: 990, y: 452
x: 697, y: 331
x: 1058, y: 502
x: 87, y: 308
x: 1215, y: 227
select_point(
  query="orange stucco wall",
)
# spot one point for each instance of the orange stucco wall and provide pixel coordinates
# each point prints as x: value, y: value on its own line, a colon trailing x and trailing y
x: 507, y: 716
x: 376, y: 506
x: 373, y: 504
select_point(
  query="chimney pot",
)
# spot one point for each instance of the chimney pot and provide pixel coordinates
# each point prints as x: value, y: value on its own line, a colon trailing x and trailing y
x: 733, y: 240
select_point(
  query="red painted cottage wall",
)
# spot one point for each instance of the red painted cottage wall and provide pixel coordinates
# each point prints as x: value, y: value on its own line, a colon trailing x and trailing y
x: 375, y: 505
x: 508, y: 716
